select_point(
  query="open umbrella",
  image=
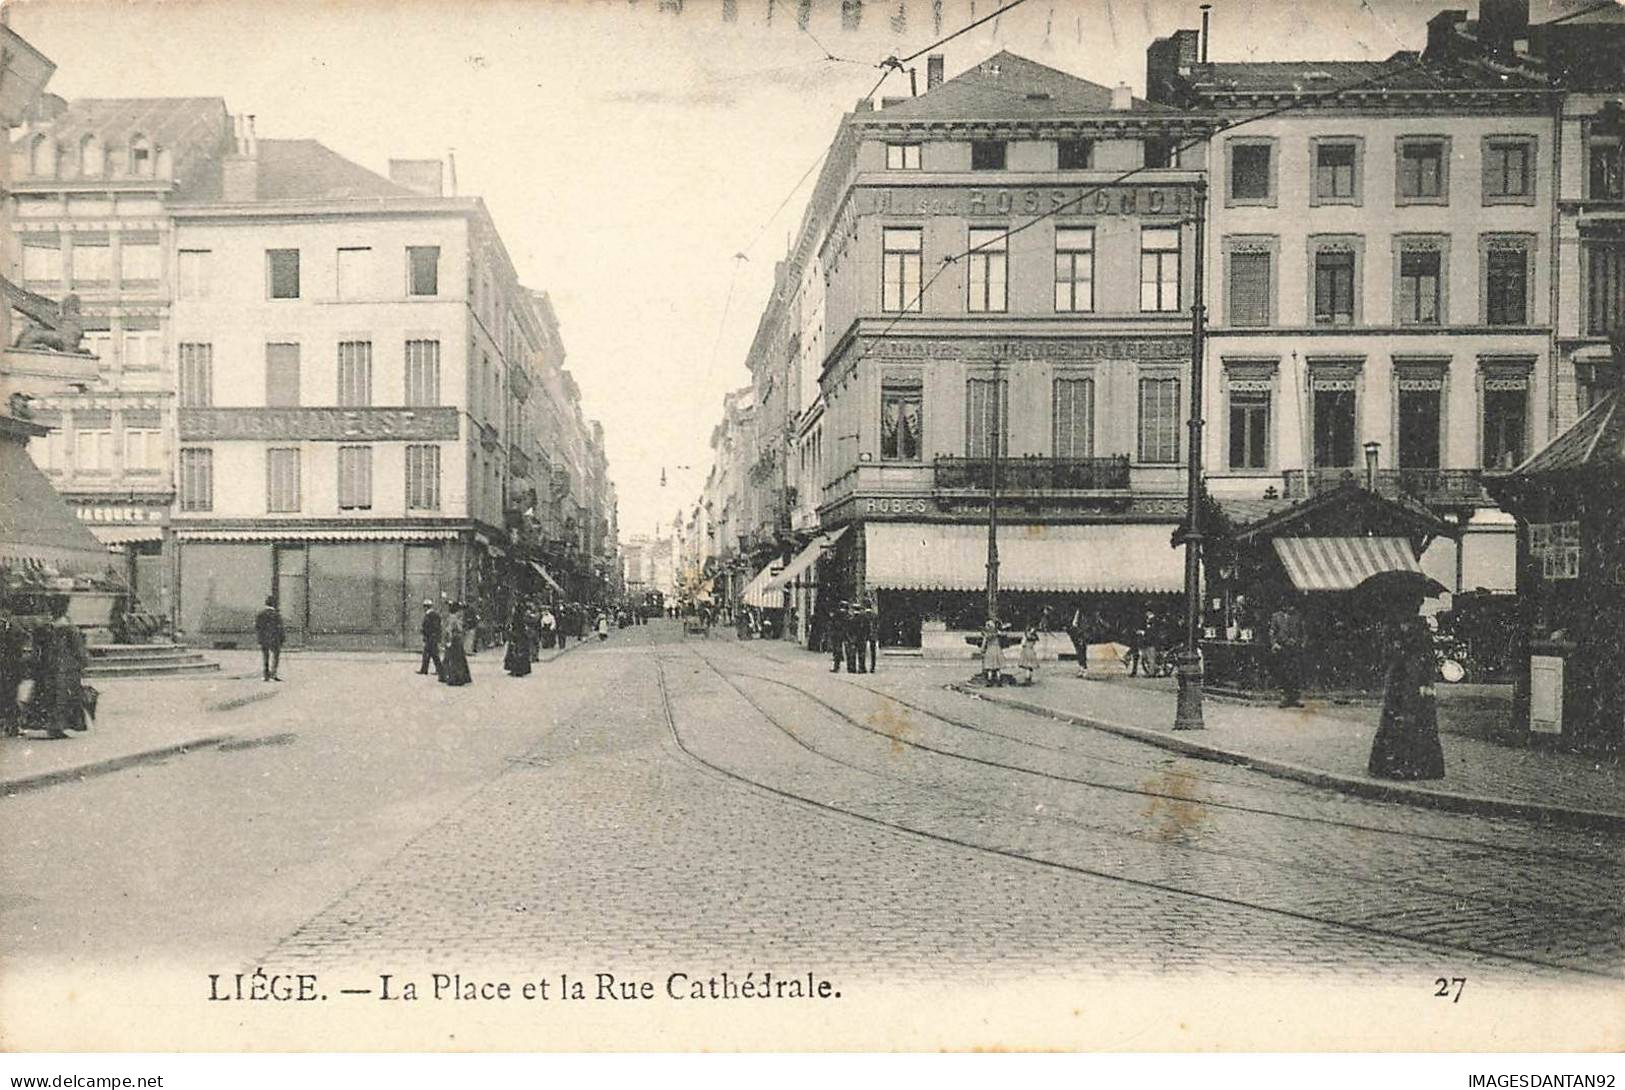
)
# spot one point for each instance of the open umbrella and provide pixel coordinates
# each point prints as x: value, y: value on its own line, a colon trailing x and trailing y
x: 1399, y: 589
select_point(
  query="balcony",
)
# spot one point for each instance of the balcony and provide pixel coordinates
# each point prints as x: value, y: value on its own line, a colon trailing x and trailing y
x: 1033, y: 476
x: 1446, y: 488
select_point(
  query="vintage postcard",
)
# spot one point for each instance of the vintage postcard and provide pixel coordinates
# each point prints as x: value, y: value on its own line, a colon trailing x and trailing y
x: 812, y: 525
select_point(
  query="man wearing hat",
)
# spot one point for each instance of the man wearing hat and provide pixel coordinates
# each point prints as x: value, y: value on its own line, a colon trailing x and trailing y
x: 269, y: 632
x: 431, y: 638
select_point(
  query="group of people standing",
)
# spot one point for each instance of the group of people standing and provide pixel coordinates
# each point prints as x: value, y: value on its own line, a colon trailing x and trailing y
x: 53, y: 656
x: 533, y: 627
x: 854, y: 636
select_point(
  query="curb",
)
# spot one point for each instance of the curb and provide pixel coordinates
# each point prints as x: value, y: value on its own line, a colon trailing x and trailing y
x: 1385, y: 792
x: 110, y: 764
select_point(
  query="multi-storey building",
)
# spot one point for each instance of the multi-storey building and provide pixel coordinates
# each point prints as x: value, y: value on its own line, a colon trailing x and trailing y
x: 368, y: 412
x: 92, y: 184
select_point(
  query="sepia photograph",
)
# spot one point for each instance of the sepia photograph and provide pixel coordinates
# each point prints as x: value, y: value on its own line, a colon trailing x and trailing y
x: 875, y: 526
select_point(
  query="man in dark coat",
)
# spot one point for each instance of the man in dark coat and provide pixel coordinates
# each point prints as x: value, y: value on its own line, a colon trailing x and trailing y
x: 58, y: 701
x: 14, y: 641
x: 1286, y: 652
x: 269, y: 631
x: 838, y: 618
x: 431, y: 629
x: 869, y: 647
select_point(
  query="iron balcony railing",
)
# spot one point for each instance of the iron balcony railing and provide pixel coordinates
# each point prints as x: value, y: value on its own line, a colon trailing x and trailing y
x: 1032, y: 474
x: 1433, y: 487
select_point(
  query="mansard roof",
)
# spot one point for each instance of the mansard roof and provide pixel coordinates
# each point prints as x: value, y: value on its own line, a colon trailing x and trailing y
x: 1009, y: 87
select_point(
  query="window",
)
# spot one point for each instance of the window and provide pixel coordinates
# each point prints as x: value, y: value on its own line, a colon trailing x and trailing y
x: 353, y: 263
x: 986, y: 416
x: 1250, y: 289
x: 1159, y: 268
x: 140, y: 157
x: 987, y: 154
x: 1508, y: 176
x: 92, y: 263
x: 282, y: 274
x: 1074, y: 269
x: 143, y: 349
x: 1506, y: 284
x: 902, y: 157
x: 1606, y: 171
x: 1160, y: 153
x: 93, y: 450
x: 355, y: 373
x: 423, y: 270
x: 1249, y: 172
x: 139, y: 262
x: 197, y: 479
x: 282, y: 479
x: 99, y: 343
x: 900, y: 269
x: 282, y: 375
x: 1422, y: 172
x: 42, y: 262
x: 355, y: 478
x: 1337, y: 172
x: 1334, y: 287
x: 422, y: 477
x: 1605, y: 287
x: 987, y: 288
x: 1505, y: 414
x: 1334, y: 411
x: 143, y: 450
x: 1159, y: 421
x: 900, y: 423
x: 1074, y: 418
x: 1249, y: 429
x: 1419, y: 287
x: 91, y: 161
x: 422, y: 372
x: 197, y: 375
x: 1420, y: 423
x: 192, y: 274
x: 1075, y: 154
x: 42, y: 161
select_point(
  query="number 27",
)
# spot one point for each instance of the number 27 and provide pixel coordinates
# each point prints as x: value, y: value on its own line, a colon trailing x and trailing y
x: 1444, y: 984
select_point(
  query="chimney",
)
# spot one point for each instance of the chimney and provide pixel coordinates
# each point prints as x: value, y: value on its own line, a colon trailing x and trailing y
x: 451, y: 170
x: 864, y: 106
x: 240, y: 170
x: 1443, y: 43
x: 1122, y: 97
x: 422, y: 176
x: 1501, y: 23
x: 1169, y: 65
x: 892, y: 100
x: 933, y: 71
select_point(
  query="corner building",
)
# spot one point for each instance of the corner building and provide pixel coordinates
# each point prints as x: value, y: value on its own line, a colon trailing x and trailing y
x: 990, y: 288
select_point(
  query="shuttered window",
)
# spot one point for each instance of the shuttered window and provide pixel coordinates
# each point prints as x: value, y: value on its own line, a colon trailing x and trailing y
x: 1074, y: 418
x: 423, y: 477
x: 422, y: 372
x: 282, y: 375
x: 1250, y: 288
x: 282, y: 479
x: 197, y: 479
x: 197, y: 375
x: 987, y: 404
x: 1605, y: 287
x: 1159, y: 421
x: 355, y: 478
x: 355, y: 373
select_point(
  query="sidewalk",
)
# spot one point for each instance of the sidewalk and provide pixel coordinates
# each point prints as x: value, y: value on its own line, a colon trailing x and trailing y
x: 1328, y: 747
x: 147, y: 719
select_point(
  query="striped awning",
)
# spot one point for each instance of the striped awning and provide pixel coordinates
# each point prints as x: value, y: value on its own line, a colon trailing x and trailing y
x: 805, y: 559
x: 1103, y: 557
x: 1341, y: 563
x: 547, y: 576
x: 293, y: 534
x: 125, y: 535
x: 756, y: 593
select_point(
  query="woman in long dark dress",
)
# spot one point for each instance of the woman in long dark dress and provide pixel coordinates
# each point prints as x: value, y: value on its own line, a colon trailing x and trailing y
x: 517, y: 660
x: 57, y: 703
x: 454, y: 659
x: 1406, y: 746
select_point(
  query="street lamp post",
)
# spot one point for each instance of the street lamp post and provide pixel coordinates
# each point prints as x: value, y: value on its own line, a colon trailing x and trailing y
x: 993, y: 506
x: 1188, y: 711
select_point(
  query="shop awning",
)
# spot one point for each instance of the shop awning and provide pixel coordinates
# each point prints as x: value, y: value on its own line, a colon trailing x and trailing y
x: 1341, y: 563
x: 805, y: 559
x: 756, y: 593
x: 37, y: 528
x: 1131, y: 557
x: 295, y: 534
x: 125, y: 535
x: 546, y: 575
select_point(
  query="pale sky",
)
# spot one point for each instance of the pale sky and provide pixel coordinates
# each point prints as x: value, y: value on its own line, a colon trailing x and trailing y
x: 627, y: 154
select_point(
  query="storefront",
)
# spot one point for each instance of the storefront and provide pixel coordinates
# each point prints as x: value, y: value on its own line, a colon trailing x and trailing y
x: 799, y: 578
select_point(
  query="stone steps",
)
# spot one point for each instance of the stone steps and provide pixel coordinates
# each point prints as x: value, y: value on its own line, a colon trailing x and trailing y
x: 146, y: 660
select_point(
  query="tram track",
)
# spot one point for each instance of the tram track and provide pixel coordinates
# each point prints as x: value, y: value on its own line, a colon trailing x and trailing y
x: 1389, y: 934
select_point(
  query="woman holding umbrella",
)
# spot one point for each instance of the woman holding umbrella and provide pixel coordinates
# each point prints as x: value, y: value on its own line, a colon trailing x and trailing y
x: 1406, y: 746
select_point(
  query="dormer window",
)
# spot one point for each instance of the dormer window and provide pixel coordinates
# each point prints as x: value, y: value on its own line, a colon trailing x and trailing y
x: 140, y: 157
x: 1075, y: 154
x: 91, y: 161
x: 902, y: 157
x: 42, y: 156
x: 1159, y: 153
x: 987, y: 154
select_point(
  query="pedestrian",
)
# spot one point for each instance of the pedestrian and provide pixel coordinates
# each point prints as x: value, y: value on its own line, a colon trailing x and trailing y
x: 455, y: 669
x: 852, y: 637
x: 1406, y: 745
x: 837, y: 636
x: 14, y: 642
x: 1028, y: 662
x: 1150, y: 636
x: 533, y: 630
x: 1080, y: 630
x: 992, y: 653
x: 517, y: 659
x: 603, y: 626
x: 550, y: 628
x: 871, y: 631
x: 269, y: 632
x: 58, y: 701
x: 430, y: 630
x: 1287, y: 652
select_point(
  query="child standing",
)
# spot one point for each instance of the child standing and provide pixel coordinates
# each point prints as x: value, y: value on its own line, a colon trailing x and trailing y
x: 1028, y: 662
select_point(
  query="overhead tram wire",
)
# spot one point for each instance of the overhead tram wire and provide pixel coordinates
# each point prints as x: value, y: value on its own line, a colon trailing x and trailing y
x: 1319, y: 98
x: 962, y: 30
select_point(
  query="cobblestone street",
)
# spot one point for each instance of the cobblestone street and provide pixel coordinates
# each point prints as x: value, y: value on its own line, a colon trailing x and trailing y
x: 655, y: 802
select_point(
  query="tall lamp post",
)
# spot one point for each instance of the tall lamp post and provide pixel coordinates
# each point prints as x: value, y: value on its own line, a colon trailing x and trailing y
x: 1188, y: 711
x: 995, y: 442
